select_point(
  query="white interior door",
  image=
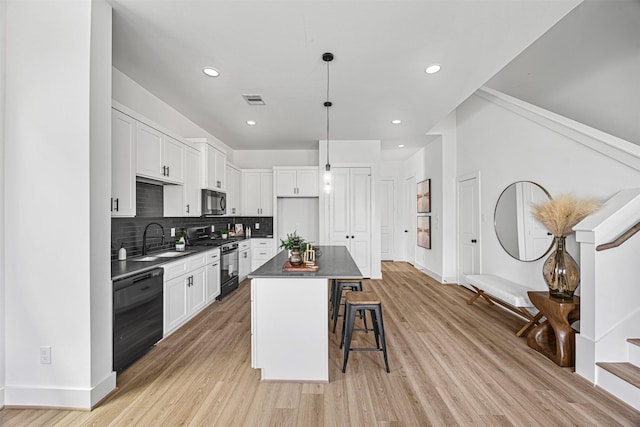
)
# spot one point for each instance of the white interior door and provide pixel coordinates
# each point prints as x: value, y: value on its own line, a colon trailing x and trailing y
x: 410, y: 222
x: 360, y: 218
x: 387, y: 218
x: 468, y: 228
x: 339, y: 207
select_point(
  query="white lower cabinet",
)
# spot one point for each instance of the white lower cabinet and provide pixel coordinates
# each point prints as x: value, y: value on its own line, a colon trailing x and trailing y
x: 244, y: 264
x: 213, y: 275
x: 184, y: 290
x: 262, y: 250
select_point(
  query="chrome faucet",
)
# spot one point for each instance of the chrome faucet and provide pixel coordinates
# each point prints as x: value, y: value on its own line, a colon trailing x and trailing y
x: 144, y: 236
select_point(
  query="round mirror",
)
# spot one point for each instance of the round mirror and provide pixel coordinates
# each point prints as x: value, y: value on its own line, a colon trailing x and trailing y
x: 519, y: 233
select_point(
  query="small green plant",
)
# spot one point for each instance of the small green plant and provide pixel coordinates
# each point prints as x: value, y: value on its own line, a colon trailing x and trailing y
x: 290, y: 241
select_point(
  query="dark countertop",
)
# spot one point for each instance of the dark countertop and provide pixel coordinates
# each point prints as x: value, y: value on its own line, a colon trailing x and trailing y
x: 334, y: 262
x: 121, y: 269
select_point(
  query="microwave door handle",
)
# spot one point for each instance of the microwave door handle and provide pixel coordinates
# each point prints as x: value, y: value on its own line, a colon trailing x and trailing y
x: 223, y: 203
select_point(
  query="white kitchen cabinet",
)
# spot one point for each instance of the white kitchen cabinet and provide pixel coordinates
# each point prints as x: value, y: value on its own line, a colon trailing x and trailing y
x: 158, y: 156
x: 244, y: 254
x: 185, y: 200
x: 257, y: 192
x: 296, y: 182
x: 123, y: 165
x: 213, y: 274
x: 184, y: 290
x: 262, y: 250
x: 350, y: 214
x: 234, y: 184
x: 214, y: 162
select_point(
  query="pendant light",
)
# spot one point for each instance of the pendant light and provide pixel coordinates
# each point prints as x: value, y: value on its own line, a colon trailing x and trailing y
x: 327, y: 57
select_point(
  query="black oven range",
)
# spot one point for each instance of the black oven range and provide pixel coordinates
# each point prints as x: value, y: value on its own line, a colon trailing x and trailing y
x: 199, y: 236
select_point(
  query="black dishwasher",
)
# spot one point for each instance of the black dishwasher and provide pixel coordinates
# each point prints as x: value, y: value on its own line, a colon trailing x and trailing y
x: 137, y: 316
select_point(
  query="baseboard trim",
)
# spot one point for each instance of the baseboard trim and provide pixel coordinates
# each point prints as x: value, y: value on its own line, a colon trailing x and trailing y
x: 67, y: 398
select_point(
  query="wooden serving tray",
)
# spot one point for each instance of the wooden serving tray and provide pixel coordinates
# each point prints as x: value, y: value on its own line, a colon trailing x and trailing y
x: 288, y: 267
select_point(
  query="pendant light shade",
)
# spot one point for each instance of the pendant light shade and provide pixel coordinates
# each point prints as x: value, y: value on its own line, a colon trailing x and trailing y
x: 327, y: 57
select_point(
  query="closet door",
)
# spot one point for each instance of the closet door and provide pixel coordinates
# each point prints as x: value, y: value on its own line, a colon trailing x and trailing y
x: 350, y: 214
x: 360, y: 218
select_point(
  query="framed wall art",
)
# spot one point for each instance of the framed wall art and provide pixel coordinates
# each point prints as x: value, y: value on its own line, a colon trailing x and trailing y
x: 424, y: 232
x: 424, y: 196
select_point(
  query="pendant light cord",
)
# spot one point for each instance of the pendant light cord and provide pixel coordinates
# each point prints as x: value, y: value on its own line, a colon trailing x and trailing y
x: 327, y: 105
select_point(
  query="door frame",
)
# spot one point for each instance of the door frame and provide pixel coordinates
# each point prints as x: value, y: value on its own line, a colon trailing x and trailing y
x: 473, y: 175
x: 409, y: 196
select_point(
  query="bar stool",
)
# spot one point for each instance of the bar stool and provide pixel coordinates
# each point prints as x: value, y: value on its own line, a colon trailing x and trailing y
x: 365, y: 301
x: 339, y: 285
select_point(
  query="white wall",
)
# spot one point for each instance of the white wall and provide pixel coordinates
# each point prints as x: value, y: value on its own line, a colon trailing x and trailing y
x: 3, y: 28
x: 103, y: 380
x: 506, y: 145
x: 49, y: 257
x: 265, y: 159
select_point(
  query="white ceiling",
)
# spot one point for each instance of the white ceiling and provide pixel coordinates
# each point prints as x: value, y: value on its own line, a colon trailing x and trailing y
x: 274, y: 48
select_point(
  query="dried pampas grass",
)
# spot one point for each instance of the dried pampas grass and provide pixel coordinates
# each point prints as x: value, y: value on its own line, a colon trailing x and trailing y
x: 561, y: 213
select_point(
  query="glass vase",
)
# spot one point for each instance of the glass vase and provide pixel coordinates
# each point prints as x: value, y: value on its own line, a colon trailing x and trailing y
x: 561, y: 272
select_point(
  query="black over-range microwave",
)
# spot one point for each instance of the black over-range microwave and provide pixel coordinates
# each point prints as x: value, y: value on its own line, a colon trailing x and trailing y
x: 213, y: 203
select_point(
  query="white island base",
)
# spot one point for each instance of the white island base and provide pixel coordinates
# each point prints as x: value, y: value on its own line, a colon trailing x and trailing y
x: 289, y: 328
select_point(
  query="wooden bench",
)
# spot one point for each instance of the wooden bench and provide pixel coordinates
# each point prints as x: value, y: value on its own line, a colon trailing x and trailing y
x: 509, y: 295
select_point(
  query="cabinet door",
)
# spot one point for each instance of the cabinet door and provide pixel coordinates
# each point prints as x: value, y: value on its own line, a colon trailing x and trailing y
x: 192, y: 183
x: 149, y: 152
x: 213, y: 280
x: 220, y: 170
x: 245, y: 264
x: 286, y: 183
x: 307, y: 183
x: 175, y: 303
x: 197, y: 289
x: 173, y: 160
x: 266, y: 194
x: 339, y: 215
x: 251, y: 191
x: 233, y: 191
x: 123, y: 165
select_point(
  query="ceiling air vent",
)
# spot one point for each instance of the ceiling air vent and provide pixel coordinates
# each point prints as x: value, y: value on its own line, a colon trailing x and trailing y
x: 254, y: 99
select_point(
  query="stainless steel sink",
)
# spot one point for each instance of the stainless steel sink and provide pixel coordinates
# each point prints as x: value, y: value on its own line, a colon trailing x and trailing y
x: 146, y: 259
x: 173, y: 254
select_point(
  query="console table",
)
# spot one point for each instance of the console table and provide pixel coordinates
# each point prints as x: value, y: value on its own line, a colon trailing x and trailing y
x: 555, y: 338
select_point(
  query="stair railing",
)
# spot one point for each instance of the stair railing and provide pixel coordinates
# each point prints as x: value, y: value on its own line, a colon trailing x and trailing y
x: 620, y: 240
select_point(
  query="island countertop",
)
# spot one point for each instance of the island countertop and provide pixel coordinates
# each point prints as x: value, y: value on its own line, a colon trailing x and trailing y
x: 333, y: 262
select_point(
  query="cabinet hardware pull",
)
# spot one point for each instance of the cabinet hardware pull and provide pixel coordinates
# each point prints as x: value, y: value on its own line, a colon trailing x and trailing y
x: 187, y: 208
x: 168, y: 173
x: 473, y: 240
x: 112, y: 204
x: 118, y: 204
x: 214, y: 265
x: 164, y: 171
x: 353, y: 237
x: 346, y: 237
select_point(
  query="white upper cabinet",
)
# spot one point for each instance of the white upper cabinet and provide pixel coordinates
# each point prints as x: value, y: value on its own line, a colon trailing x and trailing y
x: 234, y: 183
x: 185, y: 200
x: 158, y: 156
x: 214, y: 164
x: 123, y: 165
x: 296, y: 182
x: 257, y: 192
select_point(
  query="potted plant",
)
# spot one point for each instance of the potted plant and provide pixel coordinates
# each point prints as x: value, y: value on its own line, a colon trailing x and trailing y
x: 182, y: 240
x: 296, y: 246
x: 224, y: 233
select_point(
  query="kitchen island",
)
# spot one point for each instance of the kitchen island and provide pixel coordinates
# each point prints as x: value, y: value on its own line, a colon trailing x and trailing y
x: 289, y: 316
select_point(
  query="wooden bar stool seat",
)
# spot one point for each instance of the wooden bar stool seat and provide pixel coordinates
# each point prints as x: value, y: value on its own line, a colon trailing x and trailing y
x: 363, y: 301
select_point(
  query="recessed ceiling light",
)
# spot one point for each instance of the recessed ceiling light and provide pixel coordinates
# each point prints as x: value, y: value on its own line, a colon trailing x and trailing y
x: 432, y: 69
x: 401, y: 146
x: 251, y: 123
x: 211, y: 72
x: 396, y: 121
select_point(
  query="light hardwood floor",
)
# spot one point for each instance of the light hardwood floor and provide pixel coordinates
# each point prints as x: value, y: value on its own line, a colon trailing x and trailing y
x: 451, y: 364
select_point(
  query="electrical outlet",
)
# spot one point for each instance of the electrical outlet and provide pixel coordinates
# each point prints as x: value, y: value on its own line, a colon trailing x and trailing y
x: 213, y: 228
x: 45, y: 355
x: 257, y: 226
x: 173, y: 232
